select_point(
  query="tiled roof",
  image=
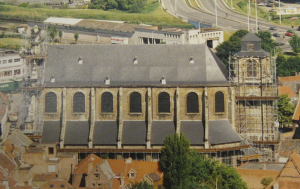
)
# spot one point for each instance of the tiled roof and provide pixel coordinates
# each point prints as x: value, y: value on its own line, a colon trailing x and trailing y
x: 286, y: 90
x: 253, y: 176
x: 119, y: 167
x: 288, y: 78
x: 296, y: 114
x: 7, y: 164
x: 250, y: 37
x: 44, y: 177
x: 3, y: 104
x: 289, y: 176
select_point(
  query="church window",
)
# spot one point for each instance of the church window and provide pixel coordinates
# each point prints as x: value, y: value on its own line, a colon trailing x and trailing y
x: 251, y: 69
x: 192, y: 104
x: 51, y: 102
x: 79, y: 102
x: 135, y: 102
x: 219, y: 102
x: 107, y: 102
x: 164, y: 102
x: 97, y: 176
x: 250, y: 46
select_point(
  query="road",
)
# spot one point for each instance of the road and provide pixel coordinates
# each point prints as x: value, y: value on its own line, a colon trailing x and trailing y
x: 226, y: 17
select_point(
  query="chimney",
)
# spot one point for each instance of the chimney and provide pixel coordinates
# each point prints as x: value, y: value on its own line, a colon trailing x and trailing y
x: 128, y: 160
x: 107, y: 81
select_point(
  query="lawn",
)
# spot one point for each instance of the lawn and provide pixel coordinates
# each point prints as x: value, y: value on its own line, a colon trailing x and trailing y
x: 153, y: 14
x: 11, y: 43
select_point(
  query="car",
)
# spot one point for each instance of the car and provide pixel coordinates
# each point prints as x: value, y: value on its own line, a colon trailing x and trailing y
x: 289, y: 34
x: 290, y: 31
x: 273, y: 28
x: 276, y: 34
x: 279, y: 43
x: 272, y: 10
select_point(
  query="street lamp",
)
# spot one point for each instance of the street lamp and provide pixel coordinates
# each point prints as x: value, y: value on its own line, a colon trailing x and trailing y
x: 216, y: 13
x: 279, y: 13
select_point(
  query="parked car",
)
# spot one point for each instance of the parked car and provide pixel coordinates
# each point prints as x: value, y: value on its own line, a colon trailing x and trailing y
x: 276, y: 34
x: 289, y: 34
x: 290, y: 31
x: 273, y: 28
x: 272, y: 10
x: 279, y: 43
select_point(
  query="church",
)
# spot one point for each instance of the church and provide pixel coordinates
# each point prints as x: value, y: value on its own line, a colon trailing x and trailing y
x: 125, y: 99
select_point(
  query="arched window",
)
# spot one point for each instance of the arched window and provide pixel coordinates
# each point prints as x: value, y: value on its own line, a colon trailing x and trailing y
x: 219, y: 102
x: 251, y: 69
x: 192, y: 104
x: 250, y: 46
x: 164, y: 102
x: 79, y: 102
x: 107, y: 103
x: 50, y: 102
x: 135, y: 102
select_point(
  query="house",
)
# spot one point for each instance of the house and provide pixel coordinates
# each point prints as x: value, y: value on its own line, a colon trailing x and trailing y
x: 94, y: 171
x: 289, y: 176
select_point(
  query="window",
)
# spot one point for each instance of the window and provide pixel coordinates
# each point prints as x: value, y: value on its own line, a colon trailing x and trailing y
x: 10, y: 61
x: 79, y: 102
x: 51, y: 102
x: 250, y: 46
x: 219, y: 102
x: 17, y: 60
x: 192, y: 104
x: 17, y: 72
x: 51, y: 168
x: 51, y: 185
x: 50, y: 150
x: 62, y: 186
x: 7, y: 73
x: 107, y: 103
x: 251, y: 69
x: 164, y: 103
x: 135, y: 102
x: 4, y: 61
x: 97, y: 176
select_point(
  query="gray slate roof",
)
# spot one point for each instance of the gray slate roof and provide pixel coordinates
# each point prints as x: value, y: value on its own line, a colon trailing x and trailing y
x: 261, y: 53
x: 221, y: 132
x: 101, y: 130
x: 77, y: 133
x: 194, y: 131
x: 51, y: 131
x: 250, y: 37
x: 161, y: 129
x: 116, y: 62
x: 273, y: 166
x: 134, y: 133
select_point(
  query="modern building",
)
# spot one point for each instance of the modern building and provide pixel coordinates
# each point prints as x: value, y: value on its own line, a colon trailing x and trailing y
x: 12, y: 68
x: 119, y: 32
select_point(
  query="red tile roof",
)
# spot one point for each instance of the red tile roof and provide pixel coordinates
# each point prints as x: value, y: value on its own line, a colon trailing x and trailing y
x: 119, y: 167
x: 289, y: 78
x: 296, y: 114
x: 286, y: 90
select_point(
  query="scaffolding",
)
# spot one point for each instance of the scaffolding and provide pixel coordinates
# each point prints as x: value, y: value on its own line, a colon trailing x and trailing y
x: 35, y: 52
x: 256, y: 116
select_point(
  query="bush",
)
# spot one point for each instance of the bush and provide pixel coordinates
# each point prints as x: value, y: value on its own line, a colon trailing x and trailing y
x: 266, y: 181
x: 242, y: 4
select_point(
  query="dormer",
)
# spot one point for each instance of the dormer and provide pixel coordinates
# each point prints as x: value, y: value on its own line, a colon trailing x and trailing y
x: 132, y: 174
x: 250, y: 43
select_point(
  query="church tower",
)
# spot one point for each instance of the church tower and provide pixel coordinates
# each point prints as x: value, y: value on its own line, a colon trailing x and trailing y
x: 254, y: 73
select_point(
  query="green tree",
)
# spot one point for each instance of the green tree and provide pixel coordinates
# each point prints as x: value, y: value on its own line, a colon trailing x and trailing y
x: 76, y: 36
x: 295, y: 43
x: 142, y: 185
x: 52, y: 30
x: 176, y: 162
x: 60, y: 35
x: 285, y: 109
x: 266, y: 181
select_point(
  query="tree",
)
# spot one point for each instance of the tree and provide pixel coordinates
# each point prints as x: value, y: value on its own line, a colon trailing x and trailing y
x: 228, y: 48
x: 142, y: 185
x: 295, y: 43
x: 52, y: 30
x: 60, y: 35
x: 188, y: 169
x: 76, y: 36
x: 285, y: 109
x: 175, y: 161
x: 266, y: 181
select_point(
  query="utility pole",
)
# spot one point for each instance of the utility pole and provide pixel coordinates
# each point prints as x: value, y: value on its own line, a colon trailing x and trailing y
x: 175, y: 7
x: 216, y: 13
x: 249, y: 16
x: 279, y: 13
x: 256, y: 25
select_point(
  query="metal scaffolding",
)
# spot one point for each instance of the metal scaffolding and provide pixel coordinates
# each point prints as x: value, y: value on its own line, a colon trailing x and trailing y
x: 256, y: 117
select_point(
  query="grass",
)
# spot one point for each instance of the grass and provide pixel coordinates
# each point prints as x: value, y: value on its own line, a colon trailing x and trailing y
x: 241, y: 6
x: 227, y: 35
x: 153, y: 14
x: 11, y: 43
